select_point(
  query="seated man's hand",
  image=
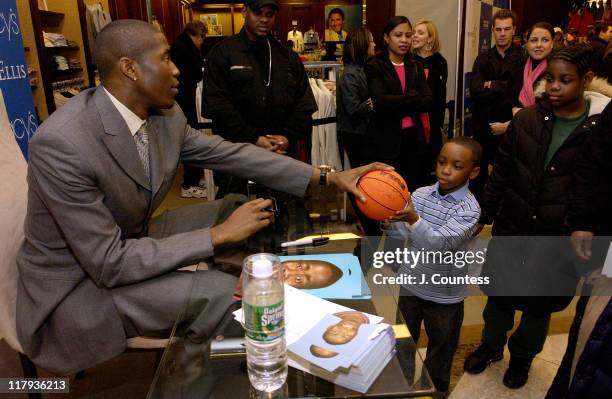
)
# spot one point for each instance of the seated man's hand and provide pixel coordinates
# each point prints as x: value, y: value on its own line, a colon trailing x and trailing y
x: 245, y: 221
x: 281, y: 142
x: 267, y: 144
x: 347, y: 180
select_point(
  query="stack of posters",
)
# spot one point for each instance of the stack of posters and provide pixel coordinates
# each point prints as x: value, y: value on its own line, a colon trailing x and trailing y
x: 336, y: 343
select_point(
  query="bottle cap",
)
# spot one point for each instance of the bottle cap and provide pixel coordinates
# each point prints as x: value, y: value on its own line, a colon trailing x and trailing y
x: 262, y: 268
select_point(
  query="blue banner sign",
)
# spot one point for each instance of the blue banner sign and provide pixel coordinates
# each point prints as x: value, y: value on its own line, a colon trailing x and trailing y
x: 14, y: 79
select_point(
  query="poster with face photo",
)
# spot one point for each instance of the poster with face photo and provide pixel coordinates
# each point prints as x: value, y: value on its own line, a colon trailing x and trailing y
x: 210, y: 20
x: 335, y: 341
x: 328, y: 276
x: 353, y: 17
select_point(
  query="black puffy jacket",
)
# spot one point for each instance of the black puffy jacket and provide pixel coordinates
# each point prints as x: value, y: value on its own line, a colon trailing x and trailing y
x: 522, y: 197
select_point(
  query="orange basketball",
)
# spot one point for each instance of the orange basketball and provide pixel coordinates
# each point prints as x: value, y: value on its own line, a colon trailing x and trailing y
x: 385, y: 191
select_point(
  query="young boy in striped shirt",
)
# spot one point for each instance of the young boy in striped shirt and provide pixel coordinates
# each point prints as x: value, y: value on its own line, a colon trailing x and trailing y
x: 439, y: 219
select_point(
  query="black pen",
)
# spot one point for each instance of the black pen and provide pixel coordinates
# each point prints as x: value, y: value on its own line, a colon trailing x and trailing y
x: 316, y: 241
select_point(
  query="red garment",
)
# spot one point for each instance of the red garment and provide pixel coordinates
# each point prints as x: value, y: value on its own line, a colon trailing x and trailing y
x: 581, y: 22
x: 407, y: 121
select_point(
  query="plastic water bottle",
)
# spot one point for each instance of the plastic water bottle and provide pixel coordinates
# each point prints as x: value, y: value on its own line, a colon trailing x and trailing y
x: 263, y: 297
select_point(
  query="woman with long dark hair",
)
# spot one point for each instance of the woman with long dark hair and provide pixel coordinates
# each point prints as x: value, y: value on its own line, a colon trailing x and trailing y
x: 400, y: 95
x: 539, y: 47
x: 355, y: 108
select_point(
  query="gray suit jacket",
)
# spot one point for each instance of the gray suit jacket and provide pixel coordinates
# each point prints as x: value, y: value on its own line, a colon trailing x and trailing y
x: 89, y: 204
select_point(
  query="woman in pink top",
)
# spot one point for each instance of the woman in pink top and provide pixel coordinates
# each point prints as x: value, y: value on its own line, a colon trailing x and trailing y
x: 401, y: 96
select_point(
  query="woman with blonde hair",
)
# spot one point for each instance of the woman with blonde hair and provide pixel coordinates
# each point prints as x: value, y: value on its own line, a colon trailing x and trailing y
x: 426, y: 50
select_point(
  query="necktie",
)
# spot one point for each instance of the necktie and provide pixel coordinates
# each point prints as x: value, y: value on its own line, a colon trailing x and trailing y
x: 142, y: 144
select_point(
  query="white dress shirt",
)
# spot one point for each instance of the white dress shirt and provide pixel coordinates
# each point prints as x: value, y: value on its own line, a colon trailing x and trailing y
x: 132, y: 120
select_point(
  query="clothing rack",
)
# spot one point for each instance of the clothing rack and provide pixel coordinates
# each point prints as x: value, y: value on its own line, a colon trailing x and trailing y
x: 77, y: 83
x: 317, y: 69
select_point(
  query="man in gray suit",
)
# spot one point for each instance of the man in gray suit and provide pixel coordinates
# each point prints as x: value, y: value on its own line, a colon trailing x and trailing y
x: 94, y: 268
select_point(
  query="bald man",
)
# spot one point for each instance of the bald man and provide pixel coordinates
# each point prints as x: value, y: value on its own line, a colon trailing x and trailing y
x: 310, y: 274
x: 95, y: 269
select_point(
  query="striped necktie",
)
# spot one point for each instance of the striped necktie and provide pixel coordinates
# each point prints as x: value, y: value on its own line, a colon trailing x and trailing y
x: 142, y: 144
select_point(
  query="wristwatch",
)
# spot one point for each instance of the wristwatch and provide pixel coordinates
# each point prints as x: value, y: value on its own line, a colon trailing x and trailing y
x: 323, y: 177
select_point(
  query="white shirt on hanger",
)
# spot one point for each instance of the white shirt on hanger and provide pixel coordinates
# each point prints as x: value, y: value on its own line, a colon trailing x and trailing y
x: 298, y: 40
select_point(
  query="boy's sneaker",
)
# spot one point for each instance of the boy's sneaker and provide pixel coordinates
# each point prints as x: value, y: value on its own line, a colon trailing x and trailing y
x: 518, y: 372
x: 478, y: 360
x: 193, y: 192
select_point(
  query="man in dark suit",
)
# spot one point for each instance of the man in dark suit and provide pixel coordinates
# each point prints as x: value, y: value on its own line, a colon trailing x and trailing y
x: 95, y: 269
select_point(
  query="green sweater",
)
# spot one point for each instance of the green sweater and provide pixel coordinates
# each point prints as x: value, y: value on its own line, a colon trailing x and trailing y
x: 562, y: 129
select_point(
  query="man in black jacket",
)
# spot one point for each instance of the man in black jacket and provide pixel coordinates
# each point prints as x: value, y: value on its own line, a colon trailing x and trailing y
x: 255, y: 89
x: 491, y: 90
x: 185, y: 54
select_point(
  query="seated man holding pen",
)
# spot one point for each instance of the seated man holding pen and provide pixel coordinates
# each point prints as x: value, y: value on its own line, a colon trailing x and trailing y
x: 95, y: 268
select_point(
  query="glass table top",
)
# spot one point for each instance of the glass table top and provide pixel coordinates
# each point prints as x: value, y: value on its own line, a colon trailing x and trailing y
x: 221, y: 372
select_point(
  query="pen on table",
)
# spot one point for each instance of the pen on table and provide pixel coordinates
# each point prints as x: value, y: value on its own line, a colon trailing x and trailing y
x: 306, y: 241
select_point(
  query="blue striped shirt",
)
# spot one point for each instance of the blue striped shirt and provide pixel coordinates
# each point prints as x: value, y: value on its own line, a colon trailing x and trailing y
x: 445, y: 225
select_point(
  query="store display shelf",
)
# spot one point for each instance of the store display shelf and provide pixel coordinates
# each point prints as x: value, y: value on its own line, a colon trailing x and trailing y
x: 59, y: 75
x: 60, y: 49
x: 51, y: 18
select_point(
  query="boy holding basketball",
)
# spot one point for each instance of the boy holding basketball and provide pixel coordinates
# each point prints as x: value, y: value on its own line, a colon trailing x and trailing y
x: 440, y: 217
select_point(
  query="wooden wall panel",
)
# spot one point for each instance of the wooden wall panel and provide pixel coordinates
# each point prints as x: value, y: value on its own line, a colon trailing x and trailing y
x: 531, y: 11
x: 377, y: 14
x: 168, y: 14
x: 128, y: 9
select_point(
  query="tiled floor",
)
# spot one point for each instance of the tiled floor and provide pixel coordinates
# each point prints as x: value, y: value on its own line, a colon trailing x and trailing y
x: 489, y: 383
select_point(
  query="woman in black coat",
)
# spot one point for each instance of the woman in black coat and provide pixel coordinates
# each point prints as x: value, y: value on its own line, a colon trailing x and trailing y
x: 426, y: 50
x: 400, y: 95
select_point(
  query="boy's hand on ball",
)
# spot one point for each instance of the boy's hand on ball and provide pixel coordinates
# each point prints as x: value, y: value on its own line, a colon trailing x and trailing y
x: 347, y: 180
x: 408, y: 214
x: 400, y: 216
